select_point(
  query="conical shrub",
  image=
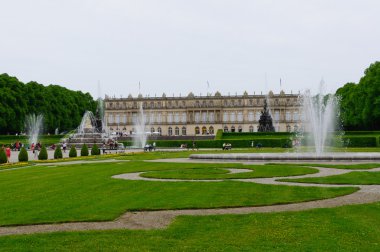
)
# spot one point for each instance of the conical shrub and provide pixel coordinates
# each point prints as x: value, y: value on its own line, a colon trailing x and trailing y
x: 3, y: 156
x: 84, y: 151
x: 73, y: 151
x: 95, y: 150
x: 58, y: 152
x: 23, y: 155
x: 43, y: 154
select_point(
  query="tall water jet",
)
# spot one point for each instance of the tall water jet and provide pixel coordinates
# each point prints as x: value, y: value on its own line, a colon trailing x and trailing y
x: 320, y: 117
x: 139, y: 139
x: 88, y: 123
x: 33, y: 127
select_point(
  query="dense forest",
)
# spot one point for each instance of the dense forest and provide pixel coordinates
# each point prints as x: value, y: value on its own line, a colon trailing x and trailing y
x: 62, y: 108
x: 360, y: 103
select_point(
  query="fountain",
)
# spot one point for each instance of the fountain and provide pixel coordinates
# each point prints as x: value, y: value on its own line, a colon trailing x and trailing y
x: 87, y: 132
x: 33, y: 127
x: 320, y: 116
x: 140, y: 136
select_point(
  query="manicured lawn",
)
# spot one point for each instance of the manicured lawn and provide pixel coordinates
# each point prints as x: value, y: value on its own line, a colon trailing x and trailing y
x: 348, y: 228
x: 258, y: 171
x: 352, y: 178
x: 87, y: 192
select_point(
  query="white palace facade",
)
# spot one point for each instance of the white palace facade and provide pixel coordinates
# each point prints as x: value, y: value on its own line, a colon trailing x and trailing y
x: 202, y: 115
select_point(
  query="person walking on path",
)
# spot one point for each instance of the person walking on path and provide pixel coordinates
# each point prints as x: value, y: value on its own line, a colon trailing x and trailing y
x: 8, y: 153
x: 64, y: 147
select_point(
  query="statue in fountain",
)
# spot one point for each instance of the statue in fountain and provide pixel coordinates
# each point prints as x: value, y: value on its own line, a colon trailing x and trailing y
x: 265, y: 122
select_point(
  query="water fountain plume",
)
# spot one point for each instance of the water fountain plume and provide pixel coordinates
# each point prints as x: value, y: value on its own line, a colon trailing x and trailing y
x: 33, y: 127
x: 320, y: 116
x: 140, y: 137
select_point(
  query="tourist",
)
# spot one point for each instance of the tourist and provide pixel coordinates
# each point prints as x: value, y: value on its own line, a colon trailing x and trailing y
x: 64, y: 147
x: 8, y: 153
x: 224, y: 146
x: 154, y: 145
x: 32, y: 147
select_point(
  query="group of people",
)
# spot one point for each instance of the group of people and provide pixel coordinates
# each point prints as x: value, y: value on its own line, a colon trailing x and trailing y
x: 226, y: 146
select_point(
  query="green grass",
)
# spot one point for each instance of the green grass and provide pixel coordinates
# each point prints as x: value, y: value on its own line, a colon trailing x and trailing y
x: 352, y: 178
x: 88, y: 193
x: 258, y: 171
x: 348, y: 228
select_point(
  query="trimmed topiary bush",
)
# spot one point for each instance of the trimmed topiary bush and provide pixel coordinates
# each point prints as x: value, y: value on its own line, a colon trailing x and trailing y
x: 3, y: 156
x: 95, y: 150
x: 43, y: 154
x: 84, y: 151
x: 73, y: 151
x: 58, y: 152
x: 23, y: 155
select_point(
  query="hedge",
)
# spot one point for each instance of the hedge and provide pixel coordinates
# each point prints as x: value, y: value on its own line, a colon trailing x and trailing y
x: 359, y: 141
x: 236, y: 143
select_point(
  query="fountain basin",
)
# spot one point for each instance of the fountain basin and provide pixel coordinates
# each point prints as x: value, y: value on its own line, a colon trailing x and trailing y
x: 337, y: 156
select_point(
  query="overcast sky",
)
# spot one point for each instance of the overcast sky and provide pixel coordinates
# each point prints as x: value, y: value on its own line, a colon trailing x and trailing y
x: 177, y: 46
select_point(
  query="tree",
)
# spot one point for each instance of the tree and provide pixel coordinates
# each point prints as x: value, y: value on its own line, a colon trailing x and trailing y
x: 73, y: 151
x: 23, y: 155
x: 58, y: 152
x: 3, y: 156
x: 84, y: 150
x: 360, y: 103
x: 43, y: 155
x: 61, y: 107
x: 95, y: 150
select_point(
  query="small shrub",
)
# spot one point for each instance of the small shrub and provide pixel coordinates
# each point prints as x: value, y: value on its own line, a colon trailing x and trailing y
x: 23, y: 155
x: 73, y: 151
x: 58, y: 152
x: 43, y: 154
x: 84, y: 151
x: 95, y: 150
x: 3, y: 156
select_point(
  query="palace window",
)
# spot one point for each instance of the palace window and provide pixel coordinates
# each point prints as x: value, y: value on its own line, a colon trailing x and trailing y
x: 232, y: 116
x: 176, y: 131
x: 117, y: 118
x: 204, y: 117
x: 250, y: 116
x: 176, y: 117
x: 240, y: 129
x: 170, y: 117
x: 204, y: 130
x: 110, y: 118
x: 225, y: 117
x: 296, y: 116
x: 159, y: 130
x: 277, y: 115
x: 232, y: 128
x: 211, y: 117
x: 159, y: 119
x: 288, y: 116
x: 288, y: 128
x: 124, y: 118
x: 151, y: 130
x: 211, y: 130
x: 197, y: 130
x: 151, y: 117
x: 251, y: 129
x: 183, y: 131
x: 240, y: 116
x: 225, y: 129
x: 184, y: 118
x: 170, y: 131
x: 197, y: 117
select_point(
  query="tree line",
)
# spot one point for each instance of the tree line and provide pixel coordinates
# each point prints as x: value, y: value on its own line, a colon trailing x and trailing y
x: 62, y: 108
x: 360, y: 103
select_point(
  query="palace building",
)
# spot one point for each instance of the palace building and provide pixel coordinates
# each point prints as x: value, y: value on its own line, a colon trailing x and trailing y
x: 201, y: 115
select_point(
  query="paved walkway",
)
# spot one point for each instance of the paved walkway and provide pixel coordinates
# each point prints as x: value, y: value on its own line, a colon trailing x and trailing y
x: 161, y: 219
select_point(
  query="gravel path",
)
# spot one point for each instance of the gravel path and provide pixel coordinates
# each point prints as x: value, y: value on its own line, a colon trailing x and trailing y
x: 161, y: 219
